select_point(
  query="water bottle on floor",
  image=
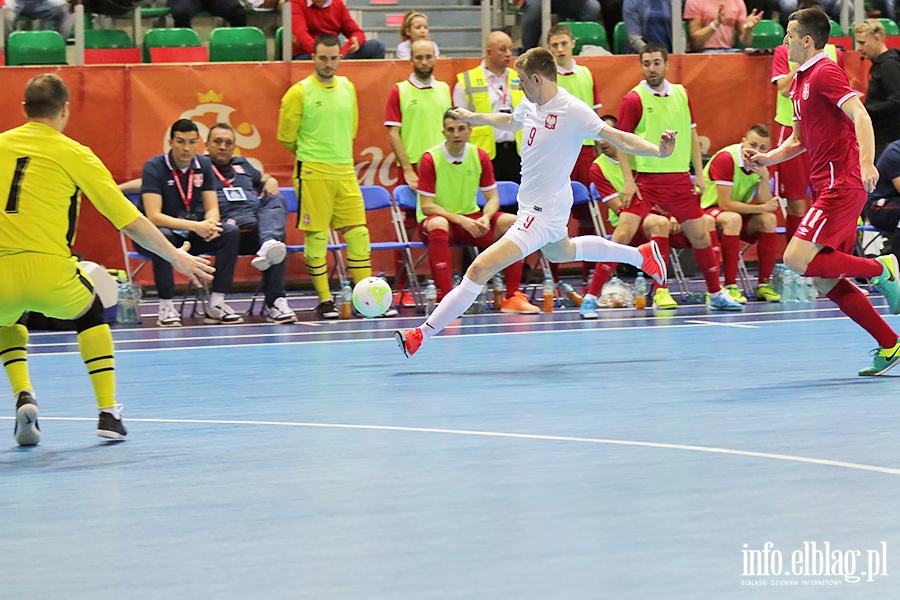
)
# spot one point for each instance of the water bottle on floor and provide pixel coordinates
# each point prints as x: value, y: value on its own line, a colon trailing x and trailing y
x: 346, y: 300
x: 430, y: 297
x: 497, y: 288
x: 549, y: 294
x: 127, y: 309
x: 640, y: 291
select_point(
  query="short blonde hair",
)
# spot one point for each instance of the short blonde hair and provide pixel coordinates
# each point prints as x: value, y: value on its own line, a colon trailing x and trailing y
x: 537, y: 60
x: 871, y: 26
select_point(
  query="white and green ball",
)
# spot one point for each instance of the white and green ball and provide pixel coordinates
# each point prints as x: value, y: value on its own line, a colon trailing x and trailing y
x: 372, y: 296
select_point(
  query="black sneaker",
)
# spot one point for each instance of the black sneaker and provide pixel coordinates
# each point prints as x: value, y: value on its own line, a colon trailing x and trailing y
x: 326, y: 310
x: 26, y: 429
x: 110, y: 427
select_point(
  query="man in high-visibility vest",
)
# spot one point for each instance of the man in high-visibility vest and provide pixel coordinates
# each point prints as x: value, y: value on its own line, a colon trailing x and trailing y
x: 492, y: 87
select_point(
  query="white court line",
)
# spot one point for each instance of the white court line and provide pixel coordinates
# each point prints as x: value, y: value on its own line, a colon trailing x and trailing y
x: 738, y: 325
x: 520, y: 436
x: 386, y: 337
x: 626, y: 318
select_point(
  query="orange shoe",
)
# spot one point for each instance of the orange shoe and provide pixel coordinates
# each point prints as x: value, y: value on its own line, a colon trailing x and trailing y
x: 404, y: 299
x: 409, y: 340
x: 654, y: 262
x: 518, y: 304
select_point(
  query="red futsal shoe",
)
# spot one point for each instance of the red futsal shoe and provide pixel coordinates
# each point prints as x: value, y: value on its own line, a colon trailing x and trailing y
x: 409, y: 340
x: 654, y: 262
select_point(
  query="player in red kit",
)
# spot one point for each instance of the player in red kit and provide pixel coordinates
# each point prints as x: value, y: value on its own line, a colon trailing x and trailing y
x: 832, y: 125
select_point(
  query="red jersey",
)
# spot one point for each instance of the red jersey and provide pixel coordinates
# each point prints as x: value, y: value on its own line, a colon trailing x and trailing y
x: 819, y: 89
x: 309, y: 21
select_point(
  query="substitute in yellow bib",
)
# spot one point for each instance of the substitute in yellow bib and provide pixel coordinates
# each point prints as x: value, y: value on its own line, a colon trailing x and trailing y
x: 42, y: 176
x: 318, y: 122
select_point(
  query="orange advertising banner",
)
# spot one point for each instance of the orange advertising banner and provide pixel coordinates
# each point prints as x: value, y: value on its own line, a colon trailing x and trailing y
x: 124, y: 112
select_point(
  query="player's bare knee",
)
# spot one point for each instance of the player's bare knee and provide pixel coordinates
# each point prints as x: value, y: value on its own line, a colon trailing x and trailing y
x: 479, y: 272
x: 729, y: 220
x: 656, y: 226
x: 768, y: 222
x: 437, y: 223
x: 796, y: 260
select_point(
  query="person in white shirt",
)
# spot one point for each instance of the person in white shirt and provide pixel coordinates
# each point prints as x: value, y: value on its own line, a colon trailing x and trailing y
x: 554, y: 125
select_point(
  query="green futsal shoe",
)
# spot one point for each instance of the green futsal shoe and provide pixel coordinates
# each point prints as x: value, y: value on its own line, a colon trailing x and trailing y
x: 887, y: 283
x: 884, y: 360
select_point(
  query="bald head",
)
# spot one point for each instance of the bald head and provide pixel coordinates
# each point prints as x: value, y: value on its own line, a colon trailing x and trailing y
x: 497, y: 51
x: 421, y: 46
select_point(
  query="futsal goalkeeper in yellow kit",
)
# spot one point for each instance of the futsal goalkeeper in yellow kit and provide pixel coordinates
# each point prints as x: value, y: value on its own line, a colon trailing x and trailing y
x: 318, y: 122
x: 42, y: 176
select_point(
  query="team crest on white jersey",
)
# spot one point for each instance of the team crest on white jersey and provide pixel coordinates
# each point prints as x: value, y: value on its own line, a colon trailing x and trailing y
x: 550, y: 122
x: 805, y: 91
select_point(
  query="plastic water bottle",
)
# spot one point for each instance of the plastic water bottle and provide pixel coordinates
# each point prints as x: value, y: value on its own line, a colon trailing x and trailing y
x: 430, y: 297
x: 497, y: 288
x: 812, y: 294
x: 789, y: 286
x: 777, y: 280
x: 570, y: 292
x: 346, y: 300
x: 640, y: 291
x: 127, y: 306
x: 549, y: 294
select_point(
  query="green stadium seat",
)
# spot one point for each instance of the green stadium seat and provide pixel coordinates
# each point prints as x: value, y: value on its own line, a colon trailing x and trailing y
x: 45, y: 47
x: 587, y: 33
x: 279, y: 39
x: 173, y: 37
x: 620, y: 39
x: 890, y: 27
x: 109, y: 47
x: 836, y: 29
x: 237, y: 44
x: 106, y: 38
x: 767, y: 34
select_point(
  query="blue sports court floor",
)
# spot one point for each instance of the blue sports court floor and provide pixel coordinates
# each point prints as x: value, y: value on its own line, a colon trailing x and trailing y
x: 539, y: 457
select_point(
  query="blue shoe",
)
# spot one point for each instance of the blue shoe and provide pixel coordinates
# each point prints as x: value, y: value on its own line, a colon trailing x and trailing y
x: 887, y: 283
x: 722, y: 300
x: 588, y: 308
x: 884, y: 360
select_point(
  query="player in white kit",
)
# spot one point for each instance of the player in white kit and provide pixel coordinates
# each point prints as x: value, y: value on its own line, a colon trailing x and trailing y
x: 554, y: 125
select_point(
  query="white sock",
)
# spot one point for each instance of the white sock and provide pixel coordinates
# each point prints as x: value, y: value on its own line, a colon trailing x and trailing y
x: 594, y: 248
x: 166, y: 304
x: 216, y: 299
x: 451, y: 307
x: 113, y: 410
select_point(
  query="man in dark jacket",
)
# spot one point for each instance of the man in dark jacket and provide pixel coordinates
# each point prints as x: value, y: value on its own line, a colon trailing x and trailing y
x: 883, y: 97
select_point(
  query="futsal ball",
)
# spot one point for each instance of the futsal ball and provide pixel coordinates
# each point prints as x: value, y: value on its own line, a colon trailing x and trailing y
x: 372, y: 296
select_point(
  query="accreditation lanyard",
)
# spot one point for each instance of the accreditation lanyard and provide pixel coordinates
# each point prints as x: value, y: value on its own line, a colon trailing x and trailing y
x: 228, y: 183
x: 186, y: 198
